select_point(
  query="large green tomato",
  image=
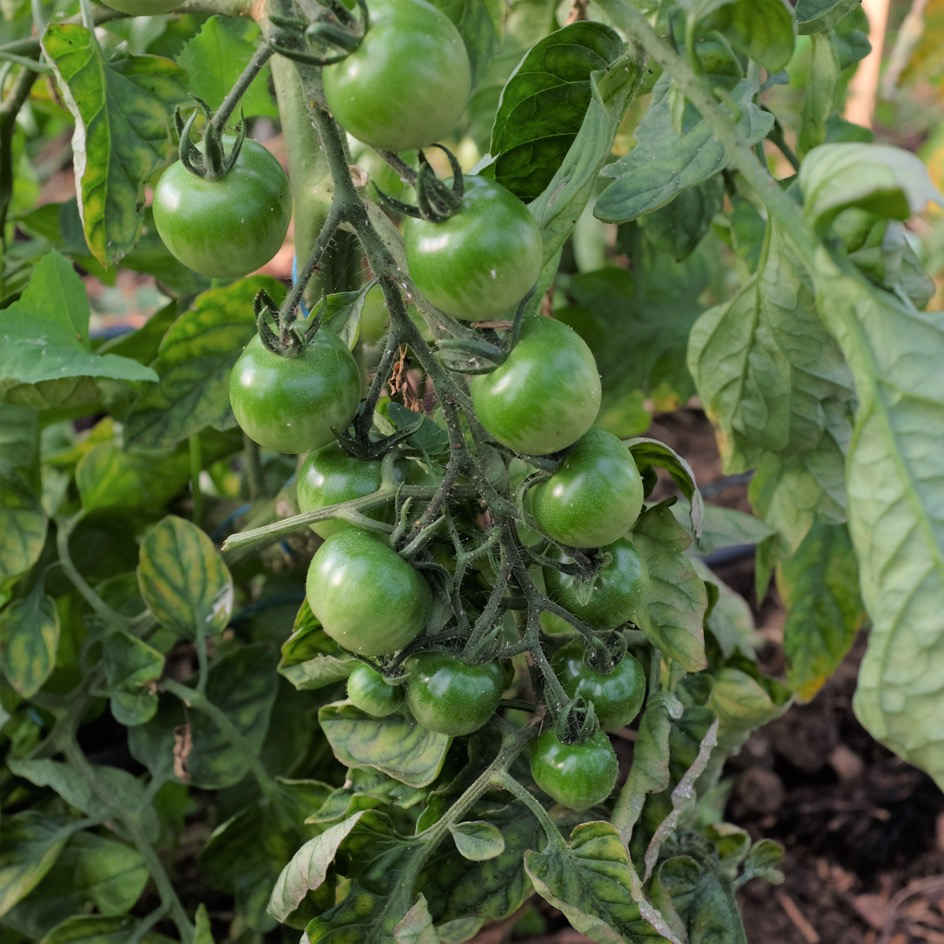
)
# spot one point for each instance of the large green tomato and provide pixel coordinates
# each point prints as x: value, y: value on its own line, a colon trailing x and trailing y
x: 228, y: 227
x: 366, y: 597
x: 594, y: 497
x: 329, y: 476
x: 407, y: 83
x: 616, y: 695
x: 545, y: 395
x: 372, y: 693
x: 480, y: 262
x: 615, y: 595
x: 577, y: 776
x: 293, y: 404
x: 449, y: 696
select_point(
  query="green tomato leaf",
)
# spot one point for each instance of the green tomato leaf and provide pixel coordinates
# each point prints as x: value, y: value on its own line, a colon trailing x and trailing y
x: 895, y: 506
x: 677, y: 598
x: 341, y: 313
x: 488, y: 890
x: 649, y: 311
x: 193, y: 363
x: 29, y: 634
x: 884, y: 180
x: 743, y: 700
x: 763, y: 861
x: 203, y: 934
x: 109, y: 476
x: 651, y: 453
x: 416, y: 927
x: 702, y: 898
x: 22, y: 518
x: 819, y: 586
x: 562, y: 201
x: 396, y: 746
x: 115, y: 793
x: 308, y: 868
x: 763, y: 29
x: 664, y: 162
x: 823, y: 93
x: 778, y: 387
x: 92, y: 929
x: 730, y: 620
x: 90, y: 870
x: 30, y: 843
x: 678, y: 227
x: 132, y: 668
x: 245, y: 854
x: 543, y: 104
x: 215, y: 58
x: 477, y: 840
x: 480, y: 24
x: 311, y: 659
x: 46, y: 335
x: 722, y: 526
x: 122, y: 131
x: 590, y: 881
x: 243, y: 687
x: 183, y: 579
x: 818, y: 16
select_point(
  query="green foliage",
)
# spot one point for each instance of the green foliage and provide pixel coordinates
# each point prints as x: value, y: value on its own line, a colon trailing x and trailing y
x: 153, y: 569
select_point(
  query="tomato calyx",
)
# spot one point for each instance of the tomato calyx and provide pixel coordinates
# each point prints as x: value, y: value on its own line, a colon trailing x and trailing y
x: 334, y: 28
x: 436, y: 201
x: 212, y: 161
x: 577, y: 722
x: 603, y: 653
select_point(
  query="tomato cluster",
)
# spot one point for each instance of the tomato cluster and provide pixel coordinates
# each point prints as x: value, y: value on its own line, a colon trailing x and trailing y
x: 431, y: 636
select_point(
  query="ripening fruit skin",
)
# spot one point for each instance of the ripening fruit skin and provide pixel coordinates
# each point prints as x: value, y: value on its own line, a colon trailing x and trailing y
x: 228, y: 227
x: 545, y: 395
x: 293, y: 404
x: 577, y: 776
x: 617, y: 695
x: 369, y: 691
x: 407, y: 83
x: 367, y: 598
x: 616, y: 595
x: 594, y: 497
x: 449, y: 696
x: 480, y: 262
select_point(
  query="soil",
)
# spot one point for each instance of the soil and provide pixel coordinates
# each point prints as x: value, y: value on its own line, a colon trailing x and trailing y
x: 863, y: 831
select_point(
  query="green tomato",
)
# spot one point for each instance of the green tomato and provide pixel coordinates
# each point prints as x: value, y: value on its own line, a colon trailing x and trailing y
x: 329, y: 476
x: 482, y: 261
x: 577, y: 776
x: 616, y: 594
x: 407, y: 83
x: 228, y: 227
x: 616, y: 695
x: 449, y: 696
x: 545, y: 395
x: 293, y: 404
x: 369, y: 691
x: 594, y: 497
x: 375, y: 319
x: 367, y: 598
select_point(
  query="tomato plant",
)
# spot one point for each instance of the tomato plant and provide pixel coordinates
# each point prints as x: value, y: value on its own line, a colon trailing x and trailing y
x: 360, y: 598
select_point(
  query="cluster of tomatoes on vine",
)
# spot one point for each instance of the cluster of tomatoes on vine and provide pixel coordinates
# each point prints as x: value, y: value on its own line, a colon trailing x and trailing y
x: 401, y: 81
